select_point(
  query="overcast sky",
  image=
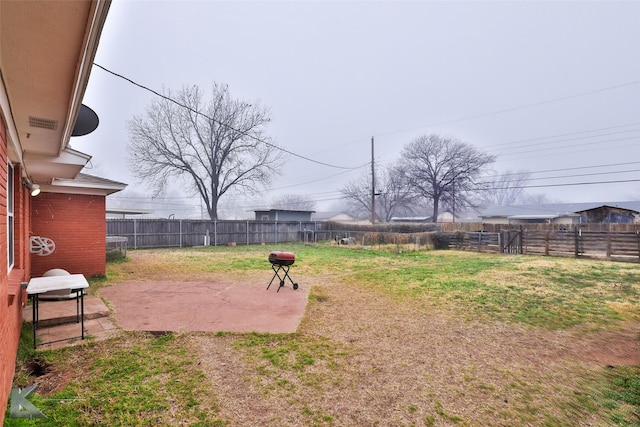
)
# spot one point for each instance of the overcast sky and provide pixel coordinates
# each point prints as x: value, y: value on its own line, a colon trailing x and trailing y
x: 543, y: 85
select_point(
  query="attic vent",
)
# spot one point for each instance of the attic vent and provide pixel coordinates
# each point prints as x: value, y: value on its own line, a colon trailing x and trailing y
x: 38, y: 122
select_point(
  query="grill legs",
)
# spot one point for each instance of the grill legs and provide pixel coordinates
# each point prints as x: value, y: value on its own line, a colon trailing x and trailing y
x: 276, y: 273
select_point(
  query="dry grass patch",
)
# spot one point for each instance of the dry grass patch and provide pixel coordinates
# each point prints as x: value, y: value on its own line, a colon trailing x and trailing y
x: 424, y: 338
x: 375, y: 361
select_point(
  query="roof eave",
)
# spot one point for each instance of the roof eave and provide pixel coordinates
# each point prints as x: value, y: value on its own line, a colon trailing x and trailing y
x: 91, y: 40
x: 69, y: 187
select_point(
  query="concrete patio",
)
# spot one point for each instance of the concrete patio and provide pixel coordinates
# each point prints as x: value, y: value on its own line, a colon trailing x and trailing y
x: 57, y: 322
x: 172, y: 307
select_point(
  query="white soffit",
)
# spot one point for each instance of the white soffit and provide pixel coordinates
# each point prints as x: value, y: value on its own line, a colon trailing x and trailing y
x: 46, y: 54
x: 43, y: 168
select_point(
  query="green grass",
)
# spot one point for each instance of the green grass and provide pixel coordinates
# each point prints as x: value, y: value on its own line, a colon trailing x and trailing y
x: 276, y: 354
x: 135, y: 384
x: 543, y: 292
x: 143, y: 380
x: 622, y: 395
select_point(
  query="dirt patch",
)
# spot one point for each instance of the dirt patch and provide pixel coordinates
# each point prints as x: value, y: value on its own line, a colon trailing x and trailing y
x: 610, y: 348
x: 240, y: 400
x: 405, y: 363
x: 53, y: 382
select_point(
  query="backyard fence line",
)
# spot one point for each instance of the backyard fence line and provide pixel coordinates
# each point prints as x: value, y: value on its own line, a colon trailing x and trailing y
x: 569, y: 240
x: 162, y: 233
x: 496, y: 228
x: 619, y: 245
x: 158, y: 233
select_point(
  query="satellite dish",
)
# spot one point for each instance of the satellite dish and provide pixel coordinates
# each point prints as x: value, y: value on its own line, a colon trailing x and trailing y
x: 86, y: 122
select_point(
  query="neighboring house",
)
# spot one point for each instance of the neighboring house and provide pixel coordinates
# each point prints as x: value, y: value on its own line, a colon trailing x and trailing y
x: 610, y: 215
x: 46, y: 55
x: 283, y: 215
x: 121, y: 213
x: 446, y: 216
x: 411, y: 219
x: 561, y: 213
x: 337, y: 216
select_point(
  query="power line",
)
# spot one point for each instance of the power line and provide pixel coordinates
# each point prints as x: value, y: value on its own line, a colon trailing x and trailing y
x: 569, y: 134
x: 507, y: 110
x: 573, y: 176
x: 515, y: 147
x: 317, y: 180
x: 568, y: 146
x: 568, y: 169
x: 573, y: 152
x: 219, y: 122
x: 564, y: 185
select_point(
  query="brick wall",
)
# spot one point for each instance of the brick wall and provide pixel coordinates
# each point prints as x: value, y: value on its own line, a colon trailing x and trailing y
x: 7, y: 347
x: 12, y: 298
x: 77, y: 226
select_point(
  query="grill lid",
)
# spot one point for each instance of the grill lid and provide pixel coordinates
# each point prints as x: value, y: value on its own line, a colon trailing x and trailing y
x: 282, y: 258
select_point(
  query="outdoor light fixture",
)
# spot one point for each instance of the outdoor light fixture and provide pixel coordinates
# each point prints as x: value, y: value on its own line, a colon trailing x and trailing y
x: 34, y: 189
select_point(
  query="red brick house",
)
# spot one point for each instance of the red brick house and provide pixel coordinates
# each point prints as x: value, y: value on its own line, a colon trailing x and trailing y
x: 71, y: 204
x: 46, y: 55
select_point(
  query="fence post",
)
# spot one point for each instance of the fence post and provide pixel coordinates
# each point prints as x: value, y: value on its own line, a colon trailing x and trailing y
x: 521, y: 241
x: 575, y: 239
x: 215, y: 233
x: 608, y: 245
x: 135, y: 235
x: 180, y: 233
x: 247, y: 225
x: 276, y: 225
x: 500, y: 243
x: 546, y: 243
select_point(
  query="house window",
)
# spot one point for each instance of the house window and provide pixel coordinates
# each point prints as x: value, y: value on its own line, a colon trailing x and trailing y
x: 10, y: 219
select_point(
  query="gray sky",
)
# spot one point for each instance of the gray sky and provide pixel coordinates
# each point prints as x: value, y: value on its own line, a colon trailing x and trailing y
x: 543, y: 85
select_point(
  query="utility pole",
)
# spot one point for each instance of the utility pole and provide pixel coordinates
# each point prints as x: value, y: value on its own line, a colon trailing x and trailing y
x: 373, y: 186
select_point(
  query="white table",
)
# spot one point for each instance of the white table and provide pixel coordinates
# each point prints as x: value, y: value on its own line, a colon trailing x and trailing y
x: 73, y: 282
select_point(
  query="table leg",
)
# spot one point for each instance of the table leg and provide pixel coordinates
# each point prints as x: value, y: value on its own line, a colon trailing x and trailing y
x: 82, y: 310
x: 34, y: 306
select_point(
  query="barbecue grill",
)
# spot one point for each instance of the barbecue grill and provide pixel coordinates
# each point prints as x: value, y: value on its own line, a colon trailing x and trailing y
x: 280, y: 263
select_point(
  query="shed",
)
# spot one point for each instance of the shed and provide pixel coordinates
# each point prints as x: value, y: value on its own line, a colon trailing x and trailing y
x: 609, y: 215
x: 564, y: 213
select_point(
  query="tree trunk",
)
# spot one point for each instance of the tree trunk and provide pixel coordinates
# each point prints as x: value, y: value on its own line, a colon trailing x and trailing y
x: 436, y: 202
x: 213, y: 209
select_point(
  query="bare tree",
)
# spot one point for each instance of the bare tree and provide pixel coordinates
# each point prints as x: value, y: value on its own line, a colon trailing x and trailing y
x: 444, y: 170
x: 218, y: 145
x: 293, y: 202
x: 537, y: 199
x: 506, y: 189
x: 357, y: 193
x: 392, y: 194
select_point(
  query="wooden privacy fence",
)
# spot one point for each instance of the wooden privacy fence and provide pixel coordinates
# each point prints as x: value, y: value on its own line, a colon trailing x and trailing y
x: 575, y: 243
x: 164, y: 233
x: 159, y: 233
x: 496, y: 228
